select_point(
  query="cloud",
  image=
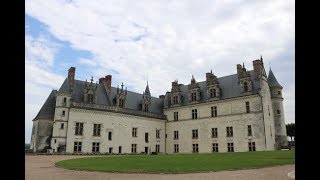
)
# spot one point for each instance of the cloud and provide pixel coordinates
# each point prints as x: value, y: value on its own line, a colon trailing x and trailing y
x: 171, y: 40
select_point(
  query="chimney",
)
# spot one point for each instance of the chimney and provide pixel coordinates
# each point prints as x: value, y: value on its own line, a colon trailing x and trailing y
x: 239, y: 70
x: 108, y: 82
x: 71, y: 74
x: 257, y: 68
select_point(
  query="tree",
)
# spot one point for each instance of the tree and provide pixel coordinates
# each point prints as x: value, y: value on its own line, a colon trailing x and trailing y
x: 291, y: 130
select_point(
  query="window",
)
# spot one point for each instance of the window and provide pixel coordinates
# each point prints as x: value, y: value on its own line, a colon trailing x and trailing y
x: 176, y: 135
x: 229, y: 131
x: 157, y: 148
x: 62, y: 126
x: 134, y: 132
x: 158, y: 133
x: 214, y: 132
x: 193, y: 96
x: 230, y: 147
x: 63, y: 113
x: 95, y: 147
x: 247, y: 107
x: 146, y: 107
x: 194, y: 114
x: 90, y: 98
x: 195, y: 148
x: 79, y: 129
x: 110, y: 136
x: 64, y: 100
x: 176, y: 116
x: 268, y: 110
x: 175, y: 99
x: 211, y: 93
x: 195, y: 134
x: 245, y: 86
x: 215, y: 147
x: 110, y: 150
x: 121, y: 103
x: 146, y: 137
x: 279, y: 92
x: 278, y: 111
x: 249, y: 130
x: 55, y: 141
x: 214, y: 111
x: 96, y: 129
x: 133, y: 148
x: 77, y: 146
x: 176, y: 148
x: 252, y: 146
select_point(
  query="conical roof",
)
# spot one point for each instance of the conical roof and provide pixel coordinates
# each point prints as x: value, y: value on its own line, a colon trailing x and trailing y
x: 272, y: 80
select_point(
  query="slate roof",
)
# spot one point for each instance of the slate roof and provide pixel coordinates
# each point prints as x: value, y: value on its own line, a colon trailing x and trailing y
x: 272, y: 81
x: 47, y: 109
x: 229, y: 86
x: 132, y: 101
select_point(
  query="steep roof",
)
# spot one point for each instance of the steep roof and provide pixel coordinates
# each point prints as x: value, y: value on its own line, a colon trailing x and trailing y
x: 229, y: 86
x: 133, y: 99
x: 47, y: 109
x: 272, y: 81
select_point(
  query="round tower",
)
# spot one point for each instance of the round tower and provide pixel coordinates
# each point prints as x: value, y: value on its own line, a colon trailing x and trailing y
x: 278, y: 112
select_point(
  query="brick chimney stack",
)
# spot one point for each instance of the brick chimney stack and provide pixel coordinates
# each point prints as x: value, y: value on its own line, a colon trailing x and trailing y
x: 257, y: 68
x: 108, y: 82
x: 71, y: 74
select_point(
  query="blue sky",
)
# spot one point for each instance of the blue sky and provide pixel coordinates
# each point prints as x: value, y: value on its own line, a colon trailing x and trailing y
x: 164, y: 40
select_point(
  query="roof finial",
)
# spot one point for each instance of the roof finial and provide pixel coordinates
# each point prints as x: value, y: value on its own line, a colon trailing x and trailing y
x: 91, y: 79
x: 243, y: 64
x: 122, y: 86
x: 211, y: 71
x: 261, y: 58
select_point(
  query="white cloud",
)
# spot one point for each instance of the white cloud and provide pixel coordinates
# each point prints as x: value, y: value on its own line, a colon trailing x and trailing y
x: 171, y: 39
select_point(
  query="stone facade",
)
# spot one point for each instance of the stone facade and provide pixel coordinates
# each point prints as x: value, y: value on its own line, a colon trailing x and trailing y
x: 236, y: 113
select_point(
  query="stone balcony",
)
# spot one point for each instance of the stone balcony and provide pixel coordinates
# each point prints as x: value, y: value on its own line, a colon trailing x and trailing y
x: 117, y: 110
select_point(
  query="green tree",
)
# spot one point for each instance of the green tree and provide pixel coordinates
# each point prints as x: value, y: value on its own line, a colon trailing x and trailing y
x: 291, y: 130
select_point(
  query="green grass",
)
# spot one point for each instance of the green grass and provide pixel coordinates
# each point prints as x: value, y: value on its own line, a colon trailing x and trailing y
x: 180, y: 163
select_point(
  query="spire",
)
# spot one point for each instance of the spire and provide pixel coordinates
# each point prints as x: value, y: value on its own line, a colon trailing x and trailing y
x: 261, y: 58
x: 211, y: 71
x: 272, y: 81
x: 147, y: 91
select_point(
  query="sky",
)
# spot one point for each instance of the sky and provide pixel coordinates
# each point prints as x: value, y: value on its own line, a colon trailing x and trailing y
x: 156, y: 41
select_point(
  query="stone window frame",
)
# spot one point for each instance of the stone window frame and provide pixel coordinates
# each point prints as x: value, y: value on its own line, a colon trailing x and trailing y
x: 195, y: 134
x: 230, y: 147
x: 95, y: 147
x: 77, y: 146
x: 109, y: 135
x: 215, y: 147
x: 252, y: 146
x: 195, y: 148
x: 249, y: 127
x: 96, y: 130
x: 157, y: 148
x: 79, y: 129
x: 133, y: 148
x: 229, y: 131
x: 176, y: 116
x: 214, y: 111
x: 214, y: 132
x: 175, y: 134
x: 194, y: 114
x: 62, y: 126
x: 134, y: 132
x: 157, y: 133
x: 176, y: 148
x: 247, y: 107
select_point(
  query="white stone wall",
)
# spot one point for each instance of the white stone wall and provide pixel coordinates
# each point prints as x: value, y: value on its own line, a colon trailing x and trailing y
x: 268, y: 117
x: 230, y: 113
x: 121, y: 127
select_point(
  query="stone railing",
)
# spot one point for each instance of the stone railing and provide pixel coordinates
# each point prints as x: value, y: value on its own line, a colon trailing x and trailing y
x: 118, y: 110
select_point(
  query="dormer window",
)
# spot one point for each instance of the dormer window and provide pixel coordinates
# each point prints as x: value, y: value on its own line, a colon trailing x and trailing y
x: 213, y: 93
x: 245, y: 86
x: 193, y: 96
x: 121, y: 103
x: 279, y: 93
x: 146, y: 107
x: 90, y: 98
x: 175, y: 99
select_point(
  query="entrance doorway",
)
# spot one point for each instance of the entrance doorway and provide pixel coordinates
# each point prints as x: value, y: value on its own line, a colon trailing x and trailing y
x: 146, y: 150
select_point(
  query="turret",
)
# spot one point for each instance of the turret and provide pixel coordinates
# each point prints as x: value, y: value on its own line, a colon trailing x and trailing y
x: 277, y: 106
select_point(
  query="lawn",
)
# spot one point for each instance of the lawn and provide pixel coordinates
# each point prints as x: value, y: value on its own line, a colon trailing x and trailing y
x: 180, y: 163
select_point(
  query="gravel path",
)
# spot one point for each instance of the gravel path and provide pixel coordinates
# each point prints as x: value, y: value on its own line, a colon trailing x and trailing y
x: 41, y: 167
